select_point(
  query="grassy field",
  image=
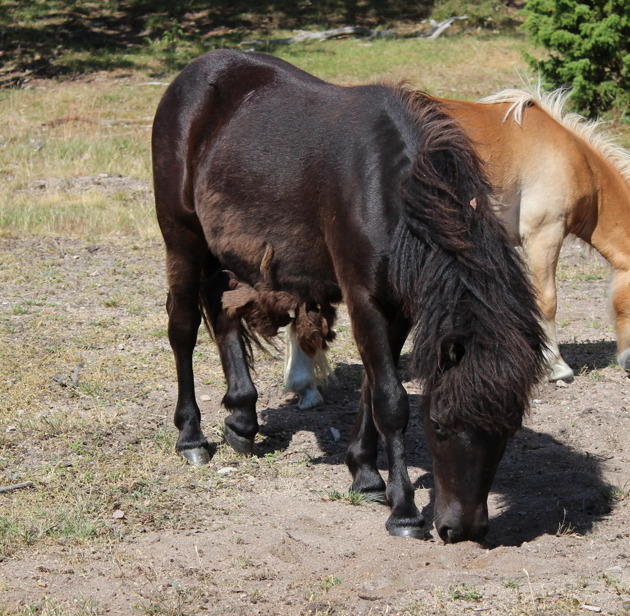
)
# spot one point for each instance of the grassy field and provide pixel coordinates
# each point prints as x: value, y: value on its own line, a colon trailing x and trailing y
x: 69, y: 146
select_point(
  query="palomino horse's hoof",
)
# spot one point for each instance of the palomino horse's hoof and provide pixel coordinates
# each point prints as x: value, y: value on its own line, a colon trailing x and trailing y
x: 198, y: 456
x: 240, y: 444
x: 560, y: 372
x: 624, y: 360
x: 414, y: 532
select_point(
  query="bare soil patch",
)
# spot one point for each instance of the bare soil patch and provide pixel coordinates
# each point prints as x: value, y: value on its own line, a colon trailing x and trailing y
x: 274, y: 534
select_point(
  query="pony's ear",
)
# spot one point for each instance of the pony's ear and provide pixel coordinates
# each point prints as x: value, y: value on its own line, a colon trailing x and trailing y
x: 452, y: 350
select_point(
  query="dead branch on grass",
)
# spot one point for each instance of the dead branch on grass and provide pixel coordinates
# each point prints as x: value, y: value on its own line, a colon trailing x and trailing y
x: 436, y: 30
x: 16, y: 486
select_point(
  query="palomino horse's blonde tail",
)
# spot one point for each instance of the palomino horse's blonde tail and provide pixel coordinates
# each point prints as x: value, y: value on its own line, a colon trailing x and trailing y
x: 553, y: 103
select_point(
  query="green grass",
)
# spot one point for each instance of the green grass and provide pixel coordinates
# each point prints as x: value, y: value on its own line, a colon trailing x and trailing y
x: 457, y: 67
x: 353, y: 498
x: 75, y: 159
x: 161, y: 37
x: 616, y: 494
x: 463, y: 592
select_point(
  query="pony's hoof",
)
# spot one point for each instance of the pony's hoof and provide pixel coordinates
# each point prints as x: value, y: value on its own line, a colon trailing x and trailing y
x: 240, y: 444
x: 310, y: 399
x: 414, y: 532
x: 199, y: 456
x: 560, y: 372
x: 624, y: 360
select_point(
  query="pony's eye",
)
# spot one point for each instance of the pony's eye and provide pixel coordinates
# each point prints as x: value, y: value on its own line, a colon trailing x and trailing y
x: 438, y: 429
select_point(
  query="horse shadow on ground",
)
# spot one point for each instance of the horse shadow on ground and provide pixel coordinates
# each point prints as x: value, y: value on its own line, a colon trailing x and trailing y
x: 586, y: 357
x: 542, y: 487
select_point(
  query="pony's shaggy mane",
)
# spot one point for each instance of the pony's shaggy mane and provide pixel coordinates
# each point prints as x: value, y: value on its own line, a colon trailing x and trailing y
x: 553, y: 103
x: 455, y: 271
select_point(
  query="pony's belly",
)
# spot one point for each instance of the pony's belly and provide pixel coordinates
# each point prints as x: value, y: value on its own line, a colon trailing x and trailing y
x: 282, y: 258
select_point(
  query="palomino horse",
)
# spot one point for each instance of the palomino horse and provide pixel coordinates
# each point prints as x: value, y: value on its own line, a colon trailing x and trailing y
x: 555, y: 174
x: 278, y: 196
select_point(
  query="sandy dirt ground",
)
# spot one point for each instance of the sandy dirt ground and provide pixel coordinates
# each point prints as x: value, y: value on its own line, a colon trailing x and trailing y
x: 276, y: 534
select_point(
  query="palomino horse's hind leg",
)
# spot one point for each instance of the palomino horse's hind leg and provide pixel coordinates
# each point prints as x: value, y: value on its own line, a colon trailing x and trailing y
x: 542, y: 250
x: 241, y: 426
x: 183, y: 266
x: 386, y: 398
x: 299, y: 373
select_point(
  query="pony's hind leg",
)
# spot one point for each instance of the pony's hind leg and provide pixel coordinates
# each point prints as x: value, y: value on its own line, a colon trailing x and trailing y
x: 299, y: 373
x: 241, y: 426
x: 183, y: 265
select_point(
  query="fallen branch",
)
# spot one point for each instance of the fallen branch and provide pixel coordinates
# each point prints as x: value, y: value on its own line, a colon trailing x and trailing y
x: 17, y: 486
x: 436, y: 30
x: 303, y: 36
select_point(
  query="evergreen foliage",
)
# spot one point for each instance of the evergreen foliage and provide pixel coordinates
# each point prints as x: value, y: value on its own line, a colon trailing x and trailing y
x: 589, y: 50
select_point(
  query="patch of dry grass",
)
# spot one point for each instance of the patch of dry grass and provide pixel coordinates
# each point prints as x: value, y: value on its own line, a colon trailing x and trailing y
x: 75, y: 158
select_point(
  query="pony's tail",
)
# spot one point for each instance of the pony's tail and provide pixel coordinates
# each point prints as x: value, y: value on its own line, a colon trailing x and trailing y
x: 477, y: 335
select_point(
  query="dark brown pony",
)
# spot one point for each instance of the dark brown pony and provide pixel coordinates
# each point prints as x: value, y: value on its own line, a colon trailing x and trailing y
x: 279, y: 195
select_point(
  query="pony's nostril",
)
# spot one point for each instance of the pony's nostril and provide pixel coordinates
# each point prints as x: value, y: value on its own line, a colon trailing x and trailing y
x: 448, y: 534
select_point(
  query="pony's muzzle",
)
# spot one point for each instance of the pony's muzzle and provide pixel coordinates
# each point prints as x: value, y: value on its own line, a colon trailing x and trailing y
x: 456, y: 524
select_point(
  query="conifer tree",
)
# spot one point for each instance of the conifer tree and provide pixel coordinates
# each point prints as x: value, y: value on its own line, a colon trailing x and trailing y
x: 588, y: 43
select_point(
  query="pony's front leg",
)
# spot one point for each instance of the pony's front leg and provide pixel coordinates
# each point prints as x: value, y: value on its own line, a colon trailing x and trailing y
x: 363, y: 449
x: 621, y: 307
x: 387, y: 399
x: 241, y: 426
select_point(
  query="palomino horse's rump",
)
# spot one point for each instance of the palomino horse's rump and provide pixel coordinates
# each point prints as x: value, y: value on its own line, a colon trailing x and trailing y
x: 279, y: 195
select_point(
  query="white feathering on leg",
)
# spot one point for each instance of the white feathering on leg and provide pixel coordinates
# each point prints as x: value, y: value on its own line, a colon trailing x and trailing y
x: 302, y: 374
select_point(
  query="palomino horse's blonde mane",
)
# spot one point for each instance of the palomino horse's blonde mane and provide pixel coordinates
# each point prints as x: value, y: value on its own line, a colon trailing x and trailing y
x: 553, y: 103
